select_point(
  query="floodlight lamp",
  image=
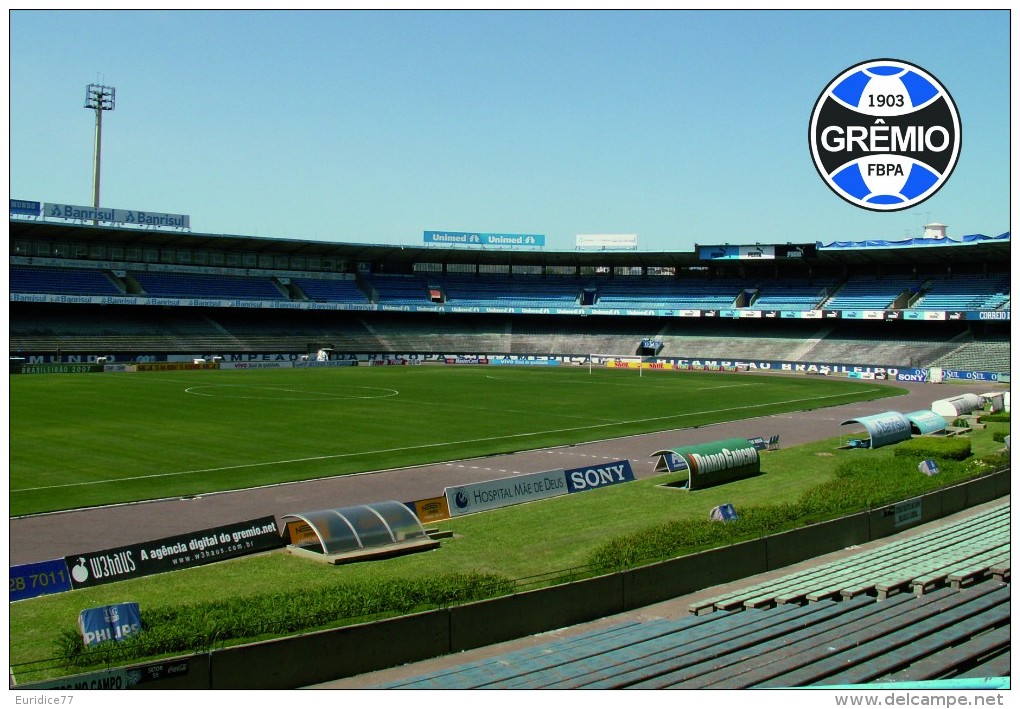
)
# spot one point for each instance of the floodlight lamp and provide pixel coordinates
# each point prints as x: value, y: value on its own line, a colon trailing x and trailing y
x: 99, y: 97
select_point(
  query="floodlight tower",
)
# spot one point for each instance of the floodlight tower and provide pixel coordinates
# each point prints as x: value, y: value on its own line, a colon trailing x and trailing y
x: 99, y: 98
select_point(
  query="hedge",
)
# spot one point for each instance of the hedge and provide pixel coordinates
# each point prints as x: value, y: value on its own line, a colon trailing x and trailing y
x: 185, y: 628
x: 955, y: 448
x: 858, y: 484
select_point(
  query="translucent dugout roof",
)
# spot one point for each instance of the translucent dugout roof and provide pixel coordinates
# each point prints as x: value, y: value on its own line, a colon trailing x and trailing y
x: 926, y: 422
x: 884, y: 429
x: 357, y: 527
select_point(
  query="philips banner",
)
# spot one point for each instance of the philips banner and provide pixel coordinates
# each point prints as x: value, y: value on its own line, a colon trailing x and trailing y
x: 105, y: 623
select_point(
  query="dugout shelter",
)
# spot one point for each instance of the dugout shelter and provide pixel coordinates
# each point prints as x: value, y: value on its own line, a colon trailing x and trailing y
x: 711, y: 464
x: 356, y: 533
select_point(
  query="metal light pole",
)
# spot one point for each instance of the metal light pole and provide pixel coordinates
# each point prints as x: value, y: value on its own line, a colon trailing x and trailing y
x: 98, y: 98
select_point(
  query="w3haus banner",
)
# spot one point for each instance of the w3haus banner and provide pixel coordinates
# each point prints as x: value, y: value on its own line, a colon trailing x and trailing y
x: 179, y: 552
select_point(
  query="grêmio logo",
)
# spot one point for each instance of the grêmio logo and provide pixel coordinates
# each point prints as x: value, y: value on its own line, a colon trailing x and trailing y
x: 885, y: 135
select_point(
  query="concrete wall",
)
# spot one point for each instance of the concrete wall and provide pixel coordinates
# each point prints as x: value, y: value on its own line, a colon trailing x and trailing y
x: 883, y: 521
x: 677, y: 577
x: 317, y: 657
x: 321, y: 656
x: 814, y: 540
x: 488, y: 622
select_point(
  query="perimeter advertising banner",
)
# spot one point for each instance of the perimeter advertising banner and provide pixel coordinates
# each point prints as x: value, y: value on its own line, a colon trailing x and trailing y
x: 60, y: 368
x: 179, y: 552
x: 117, y: 678
x: 502, y: 492
x: 432, y: 509
x: 38, y: 579
x: 524, y: 361
x: 591, y: 477
x: 174, y: 366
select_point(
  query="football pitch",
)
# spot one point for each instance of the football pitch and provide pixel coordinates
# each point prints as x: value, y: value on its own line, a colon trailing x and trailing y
x: 85, y: 440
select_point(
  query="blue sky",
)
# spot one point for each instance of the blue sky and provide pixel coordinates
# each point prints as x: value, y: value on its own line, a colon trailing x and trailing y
x: 371, y: 127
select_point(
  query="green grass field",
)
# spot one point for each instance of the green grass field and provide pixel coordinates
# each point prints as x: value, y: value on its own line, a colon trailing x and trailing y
x: 83, y: 440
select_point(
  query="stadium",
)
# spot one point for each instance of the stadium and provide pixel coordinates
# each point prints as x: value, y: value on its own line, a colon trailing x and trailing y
x: 244, y: 394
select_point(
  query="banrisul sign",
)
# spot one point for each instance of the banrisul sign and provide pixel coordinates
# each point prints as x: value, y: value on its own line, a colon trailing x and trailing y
x: 712, y: 463
x: 885, y: 135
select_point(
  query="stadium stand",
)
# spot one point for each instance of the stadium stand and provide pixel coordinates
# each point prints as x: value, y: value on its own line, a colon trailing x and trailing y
x: 727, y: 310
x: 964, y: 550
x: 792, y: 294
x: 398, y: 289
x: 669, y: 292
x: 868, y: 293
x: 73, y: 281
x: 824, y: 626
x: 523, y: 291
x: 197, y: 285
x: 987, y: 355
x: 947, y: 633
x: 330, y: 290
x: 964, y: 292
x: 49, y: 327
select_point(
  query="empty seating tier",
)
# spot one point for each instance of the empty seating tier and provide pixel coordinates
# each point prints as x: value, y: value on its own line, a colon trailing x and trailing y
x: 70, y: 281
x: 201, y: 285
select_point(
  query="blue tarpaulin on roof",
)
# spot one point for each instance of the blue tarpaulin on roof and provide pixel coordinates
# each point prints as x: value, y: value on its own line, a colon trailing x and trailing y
x: 911, y: 243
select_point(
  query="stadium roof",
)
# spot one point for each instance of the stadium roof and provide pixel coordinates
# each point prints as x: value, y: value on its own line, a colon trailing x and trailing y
x: 995, y: 251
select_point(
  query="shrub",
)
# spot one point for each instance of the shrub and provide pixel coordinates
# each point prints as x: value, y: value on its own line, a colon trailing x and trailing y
x: 857, y: 484
x: 179, y: 628
x: 937, y: 448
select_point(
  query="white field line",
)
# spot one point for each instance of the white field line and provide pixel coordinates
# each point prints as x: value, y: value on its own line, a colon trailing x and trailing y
x: 424, y: 446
